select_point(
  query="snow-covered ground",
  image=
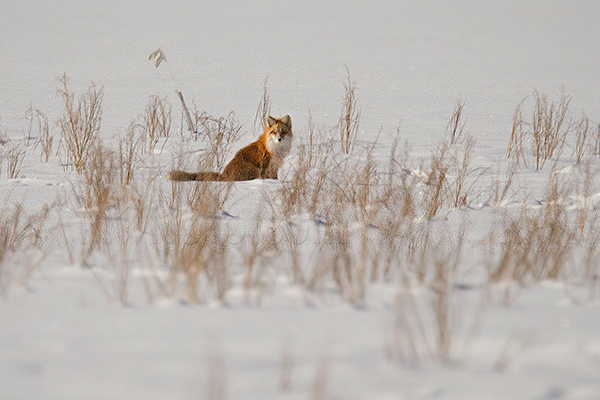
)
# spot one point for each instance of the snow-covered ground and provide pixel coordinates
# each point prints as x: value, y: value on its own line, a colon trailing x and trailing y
x: 68, y: 329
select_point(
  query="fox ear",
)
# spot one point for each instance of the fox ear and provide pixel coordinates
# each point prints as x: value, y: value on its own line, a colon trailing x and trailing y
x: 270, y: 121
x: 287, y: 121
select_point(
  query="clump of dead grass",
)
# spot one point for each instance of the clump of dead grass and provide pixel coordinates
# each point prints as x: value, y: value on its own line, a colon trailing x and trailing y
x: 548, y: 130
x: 129, y: 154
x: 24, y: 243
x: 192, y: 246
x: 456, y: 125
x: 43, y: 138
x: 537, y: 243
x: 350, y: 117
x: 219, y: 134
x: 263, y: 110
x: 156, y: 122
x: 429, y: 322
x: 516, y: 149
x: 80, y: 123
x: 15, y: 157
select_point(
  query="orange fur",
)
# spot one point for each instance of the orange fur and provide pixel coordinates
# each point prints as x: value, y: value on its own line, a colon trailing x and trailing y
x: 260, y: 159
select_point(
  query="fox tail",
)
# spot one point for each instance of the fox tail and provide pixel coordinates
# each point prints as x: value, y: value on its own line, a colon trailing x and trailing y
x: 181, y: 176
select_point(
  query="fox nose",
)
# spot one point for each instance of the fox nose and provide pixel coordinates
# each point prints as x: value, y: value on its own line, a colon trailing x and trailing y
x: 279, y: 139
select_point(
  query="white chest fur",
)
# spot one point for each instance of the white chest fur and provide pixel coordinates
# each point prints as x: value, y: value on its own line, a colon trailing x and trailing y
x: 279, y: 149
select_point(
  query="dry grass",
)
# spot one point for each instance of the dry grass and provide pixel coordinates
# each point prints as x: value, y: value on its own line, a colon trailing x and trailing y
x: 220, y: 134
x: 129, y: 149
x: 500, y: 188
x: 344, y: 200
x: 456, y: 126
x: 340, y: 223
x: 204, y: 252
x: 516, y: 148
x: 312, y: 139
x: 590, y: 259
x: 337, y: 260
x: 436, y: 184
x: 129, y: 217
x: 428, y: 321
x: 550, y: 127
x: 119, y: 229
x: 463, y: 176
x: 156, y: 122
x: 369, y: 220
x: 350, y: 117
x: 194, y: 246
x: 43, y: 139
x: 596, y: 148
x: 585, y: 185
x: 395, y: 226
x: 294, y: 194
x: 98, y: 195
x: 144, y: 194
x: 24, y: 243
x: 258, y: 252
x: 263, y: 110
x: 536, y: 244
x: 99, y: 192
x: 15, y: 157
x: 583, y: 138
x: 80, y: 123
x: 121, y: 255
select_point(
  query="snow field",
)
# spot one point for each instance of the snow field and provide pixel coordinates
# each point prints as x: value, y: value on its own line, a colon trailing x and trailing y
x: 448, y: 268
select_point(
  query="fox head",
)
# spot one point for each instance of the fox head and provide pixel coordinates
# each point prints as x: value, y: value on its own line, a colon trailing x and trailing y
x: 279, y: 134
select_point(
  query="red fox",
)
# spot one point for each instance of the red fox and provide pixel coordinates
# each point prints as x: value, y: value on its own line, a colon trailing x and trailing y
x: 260, y: 159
